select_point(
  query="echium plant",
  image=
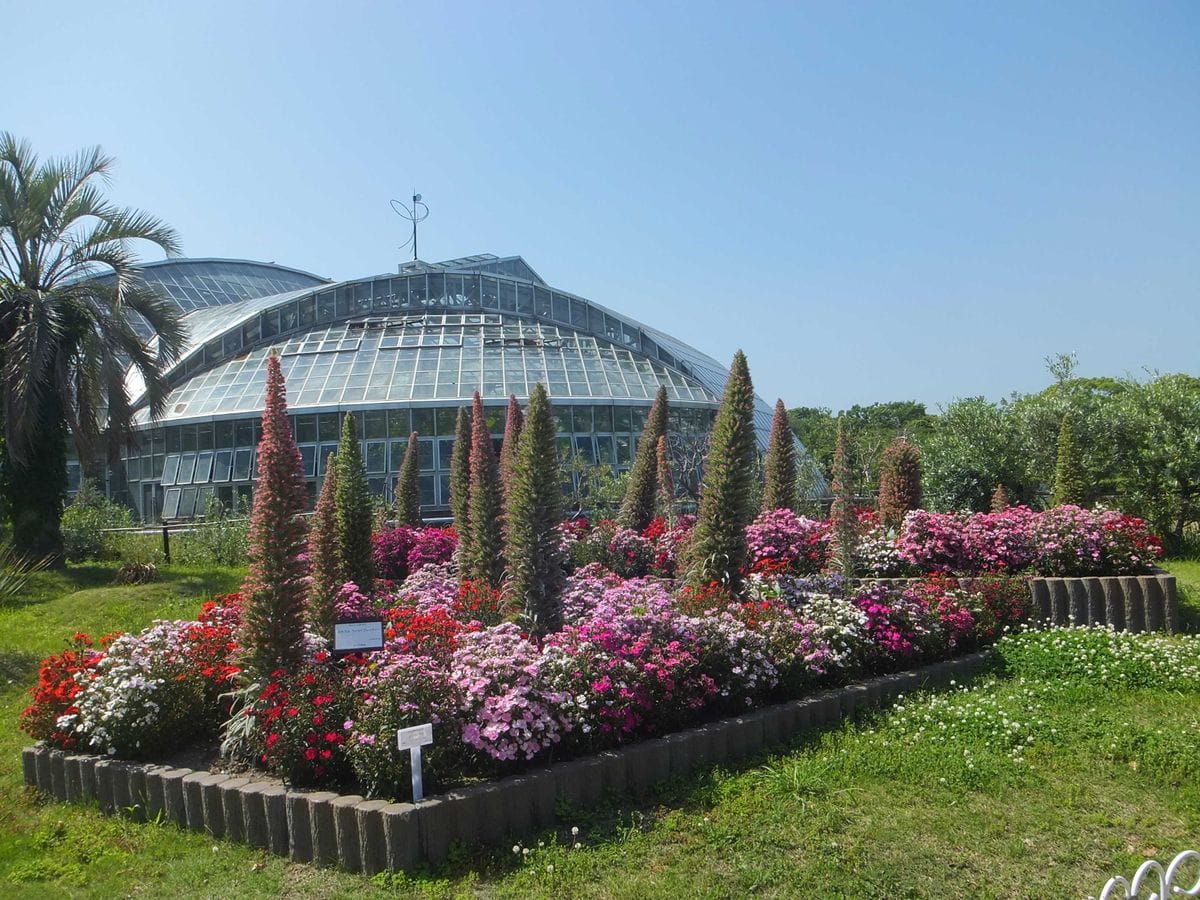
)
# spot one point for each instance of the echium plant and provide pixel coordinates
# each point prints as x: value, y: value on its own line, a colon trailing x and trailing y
x: 718, y: 548
x: 666, y: 484
x: 779, y: 468
x: 408, y: 487
x: 637, y: 509
x: 460, y: 479
x: 534, y: 512
x: 354, y: 509
x: 273, y: 616
x: 483, y: 559
x: 899, y: 482
x: 513, y: 424
x: 324, y: 567
x: 841, y: 513
x: 1070, y: 480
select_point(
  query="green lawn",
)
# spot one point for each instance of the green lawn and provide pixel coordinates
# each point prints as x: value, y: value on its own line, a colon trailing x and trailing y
x: 1110, y: 777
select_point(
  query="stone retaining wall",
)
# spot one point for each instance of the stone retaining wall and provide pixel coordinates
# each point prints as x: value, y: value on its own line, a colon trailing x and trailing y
x: 370, y: 836
x: 1126, y: 602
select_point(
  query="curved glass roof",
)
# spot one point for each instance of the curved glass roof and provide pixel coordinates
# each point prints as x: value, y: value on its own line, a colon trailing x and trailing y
x: 202, y: 283
x: 436, y: 357
x: 379, y: 340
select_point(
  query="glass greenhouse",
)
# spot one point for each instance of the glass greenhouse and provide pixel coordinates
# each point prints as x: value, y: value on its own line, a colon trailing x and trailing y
x: 402, y: 352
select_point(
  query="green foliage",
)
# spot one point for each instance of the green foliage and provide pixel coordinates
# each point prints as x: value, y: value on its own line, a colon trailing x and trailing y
x: 779, y: 468
x: 974, y: 447
x: 483, y: 559
x: 841, y: 513
x: 221, y: 539
x: 408, y: 487
x: 353, y: 516
x: 868, y: 430
x: 638, y: 507
x: 1070, y: 482
x: 1159, y: 451
x: 533, y: 514
x: 15, y: 572
x: 717, y: 551
x: 594, y: 490
x: 899, y: 482
x: 85, y: 519
x: 665, y: 501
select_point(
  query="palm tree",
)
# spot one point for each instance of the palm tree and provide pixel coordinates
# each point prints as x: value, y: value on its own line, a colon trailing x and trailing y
x: 67, y: 337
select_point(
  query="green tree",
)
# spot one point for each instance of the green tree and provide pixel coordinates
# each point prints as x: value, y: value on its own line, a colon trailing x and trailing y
x: 460, y: 479
x: 408, y: 487
x: 1070, y: 482
x: 638, y: 507
x: 779, y: 468
x: 1159, y: 440
x: 275, y: 588
x: 718, y: 547
x: 324, y: 563
x: 974, y: 447
x: 899, y: 482
x: 67, y: 335
x: 533, y: 514
x: 354, y: 509
x: 483, y: 561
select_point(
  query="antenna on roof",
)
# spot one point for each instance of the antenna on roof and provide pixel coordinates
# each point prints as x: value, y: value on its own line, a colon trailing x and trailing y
x: 417, y: 212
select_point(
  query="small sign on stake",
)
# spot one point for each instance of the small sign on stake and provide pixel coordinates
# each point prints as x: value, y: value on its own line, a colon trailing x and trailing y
x: 412, y: 740
x: 357, y: 637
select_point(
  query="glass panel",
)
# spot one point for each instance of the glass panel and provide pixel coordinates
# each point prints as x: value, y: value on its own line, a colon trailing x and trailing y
x: 595, y: 320
x: 188, y: 434
x: 422, y: 420
x: 437, y: 290
x: 397, y: 454
x: 581, y: 420
x: 426, y: 482
x: 187, y: 503
x: 491, y: 293
x: 376, y: 456
x: 204, y: 437
x: 541, y: 302
x: 224, y: 434
x: 578, y: 314
x: 308, y: 459
x: 445, y: 453
x: 398, y: 423
x: 306, y: 429
x: 323, y: 455
x: 171, y: 469
x: 624, y: 456
x: 270, y: 323
x: 244, y: 434
x: 171, y: 504
x: 203, y: 467
x: 604, y: 417
x: 329, y: 426
x: 426, y: 454
x: 583, y: 446
x: 375, y: 424
x: 222, y: 464
x: 508, y: 296
x: 324, y: 307
x: 187, y: 468
x: 416, y: 291
x: 525, y: 299
x: 241, y: 465
x: 562, y: 309
x: 562, y: 418
x: 604, y: 449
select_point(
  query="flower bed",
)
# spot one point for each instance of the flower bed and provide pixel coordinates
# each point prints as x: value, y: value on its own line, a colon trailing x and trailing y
x: 370, y: 836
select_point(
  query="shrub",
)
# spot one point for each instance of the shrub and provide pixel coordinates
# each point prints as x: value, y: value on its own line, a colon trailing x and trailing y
x: 507, y: 712
x: 389, y: 552
x: 394, y: 691
x: 432, y: 547
x: 84, y: 520
x: 781, y: 541
x: 932, y: 542
x: 301, y: 718
x: 220, y: 540
x: 60, y: 678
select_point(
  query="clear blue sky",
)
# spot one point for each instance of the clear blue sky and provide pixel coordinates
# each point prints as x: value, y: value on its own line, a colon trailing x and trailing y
x: 875, y: 201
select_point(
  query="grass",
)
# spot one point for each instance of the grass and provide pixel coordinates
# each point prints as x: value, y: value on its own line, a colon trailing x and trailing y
x: 942, y: 796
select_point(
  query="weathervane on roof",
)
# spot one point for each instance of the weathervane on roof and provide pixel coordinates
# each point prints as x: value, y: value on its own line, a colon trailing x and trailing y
x: 417, y: 212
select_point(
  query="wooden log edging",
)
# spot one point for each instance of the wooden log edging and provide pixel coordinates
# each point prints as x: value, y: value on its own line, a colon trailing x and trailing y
x: 1124, y: 602
x: 372, y: 836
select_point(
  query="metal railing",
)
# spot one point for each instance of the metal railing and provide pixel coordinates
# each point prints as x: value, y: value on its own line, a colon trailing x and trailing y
x: 1160, y: 883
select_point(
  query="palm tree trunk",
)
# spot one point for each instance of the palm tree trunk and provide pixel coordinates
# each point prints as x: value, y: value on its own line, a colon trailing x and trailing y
x: 38, y: 486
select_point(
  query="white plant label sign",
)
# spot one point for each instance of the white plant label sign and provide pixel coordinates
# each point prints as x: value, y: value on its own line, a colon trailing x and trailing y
x: 412, y: 740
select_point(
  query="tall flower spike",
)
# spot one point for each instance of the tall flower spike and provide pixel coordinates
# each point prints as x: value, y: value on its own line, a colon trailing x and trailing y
x: 483, y: 560
x: 275, y: 589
